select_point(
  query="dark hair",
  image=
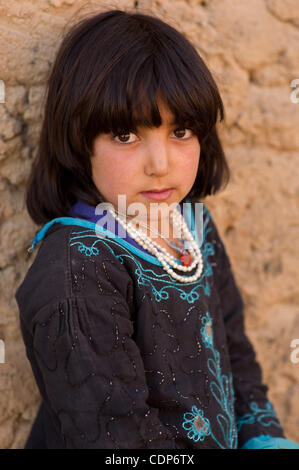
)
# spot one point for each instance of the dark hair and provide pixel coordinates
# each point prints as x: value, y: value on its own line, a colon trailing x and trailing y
x: 109, y: 71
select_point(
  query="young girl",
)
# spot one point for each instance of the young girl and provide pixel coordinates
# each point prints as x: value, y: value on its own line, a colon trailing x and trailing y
x: 135, y: 335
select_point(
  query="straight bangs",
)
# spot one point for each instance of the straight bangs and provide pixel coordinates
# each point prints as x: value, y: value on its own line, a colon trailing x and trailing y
x: 153, y: 70
x: 109, y: 74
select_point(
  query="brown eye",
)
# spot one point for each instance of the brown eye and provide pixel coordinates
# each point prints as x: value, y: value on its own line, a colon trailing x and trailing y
x: 122, y: 137
x: 181, y: 132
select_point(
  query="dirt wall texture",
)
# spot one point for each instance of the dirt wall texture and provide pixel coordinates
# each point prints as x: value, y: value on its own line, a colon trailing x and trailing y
x: 252, y: 49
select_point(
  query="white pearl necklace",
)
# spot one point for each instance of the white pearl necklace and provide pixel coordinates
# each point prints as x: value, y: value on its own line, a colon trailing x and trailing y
x: 165, y: 258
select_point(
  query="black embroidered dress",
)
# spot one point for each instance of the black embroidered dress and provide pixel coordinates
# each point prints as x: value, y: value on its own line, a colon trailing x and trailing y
x: 125, y: 357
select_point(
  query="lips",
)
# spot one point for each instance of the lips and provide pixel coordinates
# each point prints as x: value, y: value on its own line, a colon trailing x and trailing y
x: 158, y: 190
x: 158, y: 195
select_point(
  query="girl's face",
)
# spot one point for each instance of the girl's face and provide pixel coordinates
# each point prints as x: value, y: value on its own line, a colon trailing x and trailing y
x: 128, y: 164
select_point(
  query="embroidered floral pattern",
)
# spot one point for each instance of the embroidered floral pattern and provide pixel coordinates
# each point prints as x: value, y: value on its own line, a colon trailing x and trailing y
x: 88, y: 251
x: 222, y: 390
x: 196, y: 424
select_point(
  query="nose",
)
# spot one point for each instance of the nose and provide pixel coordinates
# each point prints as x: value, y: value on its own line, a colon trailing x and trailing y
x: 157, y: 158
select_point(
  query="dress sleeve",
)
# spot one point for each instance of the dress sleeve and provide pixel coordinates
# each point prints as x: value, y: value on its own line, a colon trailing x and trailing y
x: 91, y: 371
x: 255, y: 415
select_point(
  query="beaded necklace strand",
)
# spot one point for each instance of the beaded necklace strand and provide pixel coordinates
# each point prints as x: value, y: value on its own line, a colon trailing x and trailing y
x: 165, y: 258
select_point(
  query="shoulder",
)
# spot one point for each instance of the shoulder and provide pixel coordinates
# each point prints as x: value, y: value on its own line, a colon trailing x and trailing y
x: 71, y: 261
x: 96, y: 264
x: 45, y: 278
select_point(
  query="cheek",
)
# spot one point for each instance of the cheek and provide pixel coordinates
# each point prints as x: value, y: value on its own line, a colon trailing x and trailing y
x: 111, y: 174
x: 190, y: 160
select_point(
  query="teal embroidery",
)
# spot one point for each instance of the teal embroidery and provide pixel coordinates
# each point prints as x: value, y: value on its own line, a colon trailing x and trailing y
x: 264, y: 416
x: 88, y: 250
x: 148, y: 276
x: 76, y: 239
x: 221, y: 389
x: 196, y: 424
